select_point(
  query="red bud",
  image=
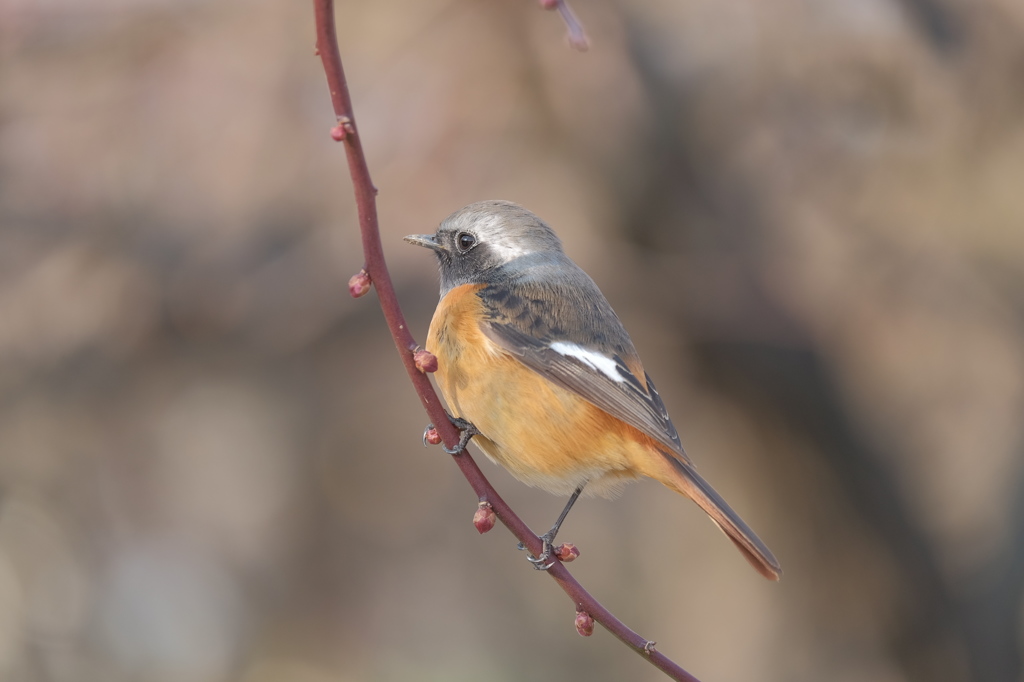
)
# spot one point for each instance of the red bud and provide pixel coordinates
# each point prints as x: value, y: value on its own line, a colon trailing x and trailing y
x: 338, y: 133
x: 359, y: 284
x: 548, y: 4
x: 432, y: 437
x: 425, y: 361
x: 584, y: 624
x: 567, y: 552
x: 484, y: 517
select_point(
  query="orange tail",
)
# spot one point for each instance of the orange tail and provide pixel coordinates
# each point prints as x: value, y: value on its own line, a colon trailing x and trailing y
x: 683, y: 478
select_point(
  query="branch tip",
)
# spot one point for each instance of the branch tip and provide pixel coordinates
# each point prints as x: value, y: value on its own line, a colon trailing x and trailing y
x: 359, y: 284
x: 484, y: 518
x: 584, y: 623
x: 579, y: 41
x: 576, y: 35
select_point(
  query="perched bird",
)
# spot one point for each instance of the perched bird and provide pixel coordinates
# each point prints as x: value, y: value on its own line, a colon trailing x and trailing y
x: 534, y: 363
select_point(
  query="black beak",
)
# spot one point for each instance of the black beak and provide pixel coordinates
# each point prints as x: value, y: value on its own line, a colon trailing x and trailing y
x: 427, y: 240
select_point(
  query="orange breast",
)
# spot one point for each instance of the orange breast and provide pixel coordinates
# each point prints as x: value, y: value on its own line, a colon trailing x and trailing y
x: 543, y: 434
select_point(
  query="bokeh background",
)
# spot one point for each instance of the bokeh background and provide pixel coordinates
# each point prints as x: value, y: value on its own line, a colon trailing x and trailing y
x: 809, y: 213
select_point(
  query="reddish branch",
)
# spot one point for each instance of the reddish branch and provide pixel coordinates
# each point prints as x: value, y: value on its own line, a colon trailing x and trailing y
x: 376, y: 271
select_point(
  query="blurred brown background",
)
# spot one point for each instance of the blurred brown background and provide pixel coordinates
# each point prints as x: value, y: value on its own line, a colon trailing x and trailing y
x: 810, y: 215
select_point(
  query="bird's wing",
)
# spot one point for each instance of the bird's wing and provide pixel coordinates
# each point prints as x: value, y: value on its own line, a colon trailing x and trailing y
x: 581, y: 346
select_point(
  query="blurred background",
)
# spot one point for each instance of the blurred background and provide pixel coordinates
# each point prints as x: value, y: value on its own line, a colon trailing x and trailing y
x: 809, y: 214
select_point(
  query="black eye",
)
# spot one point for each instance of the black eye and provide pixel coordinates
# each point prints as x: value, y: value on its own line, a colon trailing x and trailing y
x: 466, y: 241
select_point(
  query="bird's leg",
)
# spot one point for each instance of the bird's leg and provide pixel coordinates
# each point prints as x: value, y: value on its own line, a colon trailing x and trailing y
x: 542, y: 563
x: 467, y: 429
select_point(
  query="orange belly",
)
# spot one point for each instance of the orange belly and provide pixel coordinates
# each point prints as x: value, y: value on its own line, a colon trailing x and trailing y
x: 545, y: 435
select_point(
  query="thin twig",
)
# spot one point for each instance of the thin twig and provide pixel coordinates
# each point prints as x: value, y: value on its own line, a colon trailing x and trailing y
x: 575, y: 33
x: 346, y: 131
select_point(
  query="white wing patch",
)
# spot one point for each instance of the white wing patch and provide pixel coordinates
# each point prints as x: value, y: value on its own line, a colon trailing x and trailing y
x: 602, y: 363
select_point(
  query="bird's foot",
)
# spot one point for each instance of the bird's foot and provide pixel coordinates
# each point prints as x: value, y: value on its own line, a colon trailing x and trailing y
x: 547, y: 555
x: 467, y: 431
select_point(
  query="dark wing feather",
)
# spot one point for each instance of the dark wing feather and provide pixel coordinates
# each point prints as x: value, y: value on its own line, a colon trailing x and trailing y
x: 518, y: 322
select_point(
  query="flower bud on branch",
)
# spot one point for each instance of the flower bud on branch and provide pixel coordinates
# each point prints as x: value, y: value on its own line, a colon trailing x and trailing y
x: 431, y: 436
x: 567, y: 552
x: 343, y: 129
x: 584, y: 624
x: 425, y: 361
x: 359, y: 284
x: 484, y: 518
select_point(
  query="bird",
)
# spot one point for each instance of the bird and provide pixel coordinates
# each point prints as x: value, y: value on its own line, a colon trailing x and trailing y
x: 535, y: 365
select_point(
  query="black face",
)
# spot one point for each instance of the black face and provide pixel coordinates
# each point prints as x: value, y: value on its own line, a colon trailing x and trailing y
x: 465, y: 258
